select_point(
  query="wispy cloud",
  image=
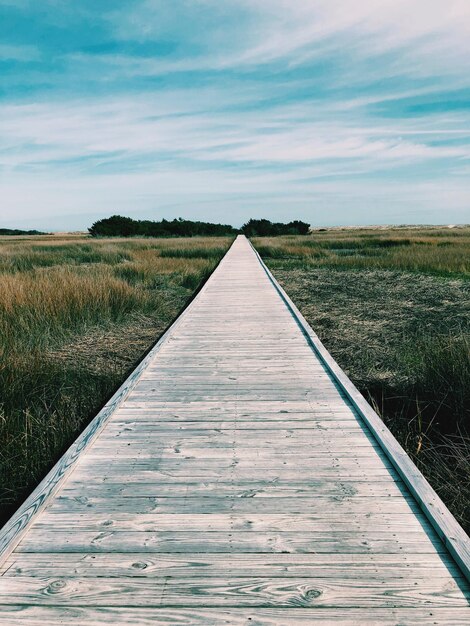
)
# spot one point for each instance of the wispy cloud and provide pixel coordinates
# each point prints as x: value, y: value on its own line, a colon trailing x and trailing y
x: 23, y: 53
x: 147, y: 132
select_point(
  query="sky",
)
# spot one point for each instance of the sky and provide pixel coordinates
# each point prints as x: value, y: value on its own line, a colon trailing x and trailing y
x: 336, y: 112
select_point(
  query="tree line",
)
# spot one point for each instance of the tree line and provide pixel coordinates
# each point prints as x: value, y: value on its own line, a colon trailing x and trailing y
x: 265, y: 228
x: 118, y: 226
x: 17, y: 231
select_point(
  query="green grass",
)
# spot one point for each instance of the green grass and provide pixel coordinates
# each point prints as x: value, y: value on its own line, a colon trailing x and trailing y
x: 393, y: 308
x: 76, y: 315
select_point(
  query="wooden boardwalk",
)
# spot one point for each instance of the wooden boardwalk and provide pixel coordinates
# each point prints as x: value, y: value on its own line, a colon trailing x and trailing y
x: 232, y: 481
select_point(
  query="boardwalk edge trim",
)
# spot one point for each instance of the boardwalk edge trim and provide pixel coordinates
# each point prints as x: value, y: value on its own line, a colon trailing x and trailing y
x: 444, y: 523
x: 15, y: 528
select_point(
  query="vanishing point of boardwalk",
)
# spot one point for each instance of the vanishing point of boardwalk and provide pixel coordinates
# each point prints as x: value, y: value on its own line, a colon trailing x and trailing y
x: 231, y: 481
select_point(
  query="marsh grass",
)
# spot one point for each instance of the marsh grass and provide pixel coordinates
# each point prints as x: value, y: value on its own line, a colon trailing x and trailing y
x: 188, y: 253
x: 76, y: 315
x: 393, y: 308
x: 434, y: 251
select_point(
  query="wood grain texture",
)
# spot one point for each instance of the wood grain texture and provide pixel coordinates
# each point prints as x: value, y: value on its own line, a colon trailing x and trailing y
x: 260, y: 616
x: 342, y: 503
x: 400, y: 566
x: 234, y: 481
x: 230, y: 592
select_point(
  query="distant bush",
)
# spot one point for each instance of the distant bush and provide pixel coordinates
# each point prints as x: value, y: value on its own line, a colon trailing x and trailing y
x: 118, y: 226
x: 16, y: 231
x: 265, y: 228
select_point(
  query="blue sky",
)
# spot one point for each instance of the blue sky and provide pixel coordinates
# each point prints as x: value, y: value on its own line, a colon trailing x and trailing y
x: 332, y: 111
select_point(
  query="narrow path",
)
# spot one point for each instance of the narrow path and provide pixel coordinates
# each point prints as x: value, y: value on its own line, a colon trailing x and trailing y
x: 234, y: 485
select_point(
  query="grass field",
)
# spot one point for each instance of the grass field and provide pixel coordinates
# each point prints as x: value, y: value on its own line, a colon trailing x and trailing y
x: 76, y: 315
x: 393, y: 308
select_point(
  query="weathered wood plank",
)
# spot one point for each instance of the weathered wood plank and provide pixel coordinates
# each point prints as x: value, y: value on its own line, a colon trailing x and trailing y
x: 307, y: 428
x: 189, y: 463
x: 231, y: 592
x: 347, y: 542
x: 124, y: 449
x: 261, y: 616
x: 227, y: 522
x: 239, y: 504
x: 332, y: 565
x: 148, y: 475
x: 193, y: 488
